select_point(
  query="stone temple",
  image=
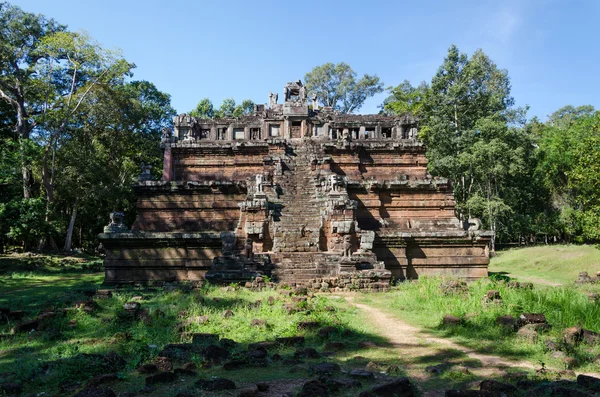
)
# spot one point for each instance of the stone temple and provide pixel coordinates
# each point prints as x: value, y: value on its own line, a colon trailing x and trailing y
x: 303, y: 194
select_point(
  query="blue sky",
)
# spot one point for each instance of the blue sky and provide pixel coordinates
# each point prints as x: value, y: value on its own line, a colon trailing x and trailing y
x: 244, y: 49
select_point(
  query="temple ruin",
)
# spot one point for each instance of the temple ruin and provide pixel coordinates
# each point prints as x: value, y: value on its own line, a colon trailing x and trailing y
x: 298, y: 192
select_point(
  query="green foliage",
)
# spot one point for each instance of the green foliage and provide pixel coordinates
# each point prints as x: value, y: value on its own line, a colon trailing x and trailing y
x: 405, y: 98
x: 204, y: 109
x: 23, y: 220
x: 569, y: 148
x: 337, y: 86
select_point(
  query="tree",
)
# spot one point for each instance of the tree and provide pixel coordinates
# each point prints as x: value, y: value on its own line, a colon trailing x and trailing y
x: 243, y: 109
x: 569, y: 148
x: 204, y: 109
x: 405, y: 98
x: 116, y: 130
x: 337, y: 86
x: 20, y: 35
x: 474, y: 136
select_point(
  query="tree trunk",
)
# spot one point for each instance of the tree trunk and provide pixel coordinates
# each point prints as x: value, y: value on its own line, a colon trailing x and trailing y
x: 69, y: 238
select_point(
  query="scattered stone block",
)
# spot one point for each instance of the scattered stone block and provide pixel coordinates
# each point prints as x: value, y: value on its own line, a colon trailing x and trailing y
x: 147, y: 369
x: 326, y: 332
x: 362, y: 374
x: 258, y: 323
x: 100, y: 380
x: 132, y: 307
x: 27, y: 326
x: 531, y: 318
x: 325, y: 368
x: 163, y: 364
x: 400, y: 387
x: 498, y: 388
x: 590, y: 337
x: 572, y: 336
x: 215, y: 384
x: 161, y: 377
x: 528, y: 335
x: 450, y: 320
x: 227, y: 314
x: 589, y: 382
x: 290, y: 340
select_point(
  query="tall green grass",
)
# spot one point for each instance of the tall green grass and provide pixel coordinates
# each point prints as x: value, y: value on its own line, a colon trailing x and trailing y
x: 423, y: 303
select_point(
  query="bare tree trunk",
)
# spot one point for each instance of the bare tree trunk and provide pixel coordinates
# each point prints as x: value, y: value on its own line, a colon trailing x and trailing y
x: 69, y: 238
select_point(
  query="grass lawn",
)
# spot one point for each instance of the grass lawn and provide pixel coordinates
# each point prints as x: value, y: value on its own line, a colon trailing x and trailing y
x: 71, y: 347
x: 554, y: 263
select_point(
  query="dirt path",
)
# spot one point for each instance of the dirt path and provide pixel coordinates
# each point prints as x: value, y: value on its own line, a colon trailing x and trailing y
x: 418, y: 350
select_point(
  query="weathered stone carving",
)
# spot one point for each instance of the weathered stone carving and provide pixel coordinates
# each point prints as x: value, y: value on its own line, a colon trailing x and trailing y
x: 260, y: 180
x: 347, y: 245
x: 248, y: 249
x: 116, y: 223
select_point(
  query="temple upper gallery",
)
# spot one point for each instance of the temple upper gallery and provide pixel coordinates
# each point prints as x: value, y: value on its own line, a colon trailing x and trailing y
x: 298, y: 192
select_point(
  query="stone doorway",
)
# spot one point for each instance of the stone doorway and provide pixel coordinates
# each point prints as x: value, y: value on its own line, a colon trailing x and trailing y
x: 296, y: 129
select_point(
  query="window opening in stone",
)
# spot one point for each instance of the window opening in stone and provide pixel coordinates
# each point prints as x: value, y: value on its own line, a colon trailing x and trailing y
x: 369, y: 134
x: 386, y: 132
x: 204, y: 133
x: 222, y: 134
x: 274, y: 130
x: 255, y: 133
x: 238, y: 133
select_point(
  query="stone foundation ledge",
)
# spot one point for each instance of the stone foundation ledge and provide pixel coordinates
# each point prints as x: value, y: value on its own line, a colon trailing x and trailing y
x: 158, y: 237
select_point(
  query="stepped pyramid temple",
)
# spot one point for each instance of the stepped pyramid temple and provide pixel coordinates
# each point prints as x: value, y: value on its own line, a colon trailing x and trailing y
x: 303, y: 194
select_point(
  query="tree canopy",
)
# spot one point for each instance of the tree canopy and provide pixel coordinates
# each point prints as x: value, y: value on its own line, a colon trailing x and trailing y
x: 338, y: 87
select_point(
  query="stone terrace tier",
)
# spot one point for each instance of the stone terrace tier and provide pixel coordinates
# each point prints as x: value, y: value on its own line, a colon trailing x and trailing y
x: 298, y: 192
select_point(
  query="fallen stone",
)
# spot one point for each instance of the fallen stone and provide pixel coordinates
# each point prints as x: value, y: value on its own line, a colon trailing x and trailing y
x: 531, y: 318
x: 325, y: 368
x: 215, y: 353
x: 96, y: 393
x: 161, y: 377
x: 528, y: 335
x: 258, y: 323
x: 468, y: 393
x: 290, y: 340
x: 234, y: 364
x: 362, y: 374
x: 450, y: 320
x: 163, y: 364
x: 100, y: 380
x: 309, y: 352
x: 371, y: 366
x: 308, y: 325
x: 262, y: 386
x: 400, y: 387
x: 251, y: 391
x: 591, y: 337
x: 589, y: 382
x: 184, y: 371
x: 498, y: 388
x: 393, y: 370
x: 334, y: 346
x: 215, y: 384
x: 147, y: 369
x: 271, y: 300
x: 227, y: 314
x: 572, y: 336
x: 570, y: 362
x: 26, y: 326
x: 257, y: 354
x: 227, y: 343
x: 10, y: 388
x: 314, y: 388
x: 132, y: 306
x: 88, y: 306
